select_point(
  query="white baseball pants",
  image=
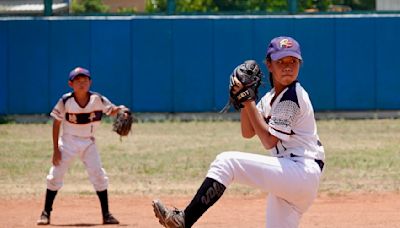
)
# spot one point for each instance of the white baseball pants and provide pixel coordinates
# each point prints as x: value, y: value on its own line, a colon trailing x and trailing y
x: 85, y: 148
x: 292, y: 182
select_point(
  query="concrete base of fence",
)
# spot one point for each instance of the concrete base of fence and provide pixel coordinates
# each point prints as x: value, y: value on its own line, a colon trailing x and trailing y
x: 209, y: 116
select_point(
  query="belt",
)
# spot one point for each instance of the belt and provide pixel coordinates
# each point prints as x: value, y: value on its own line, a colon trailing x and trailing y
x: 319, y: 162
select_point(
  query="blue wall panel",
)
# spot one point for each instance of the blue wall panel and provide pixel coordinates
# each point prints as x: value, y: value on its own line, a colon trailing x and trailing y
x: 3, y: 67
x: 317, y: 73
x: 183, y: 64
x: 28, y: 66
x: 111, y: 60
x: 232, y: 46
x: 152, y: 79
x: 193, y: 65
x: 355, y: 64
x: 69, y: 47
x: 387, y: 63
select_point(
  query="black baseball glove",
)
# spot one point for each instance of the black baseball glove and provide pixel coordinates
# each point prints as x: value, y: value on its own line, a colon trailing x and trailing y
x: 250, y: 77
x: 123, y: 122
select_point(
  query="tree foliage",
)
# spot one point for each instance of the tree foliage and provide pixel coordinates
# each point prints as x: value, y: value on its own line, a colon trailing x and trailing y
x: 89, y: 6
x: 126, y: 10
x: 155, y: 6
x: 357, y: 4
x: 195, y: 6
x: 229, y: 6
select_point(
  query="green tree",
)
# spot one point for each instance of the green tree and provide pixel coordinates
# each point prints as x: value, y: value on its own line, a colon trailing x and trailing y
x: 89, y: 6
x: 156, y: 6
x: 320, y: 5
x: 271, y: 6
x: 357, y: 4
x: 126, y: 10
x: 195, y: 6
x: 251, y: 5
x: 186, y: 6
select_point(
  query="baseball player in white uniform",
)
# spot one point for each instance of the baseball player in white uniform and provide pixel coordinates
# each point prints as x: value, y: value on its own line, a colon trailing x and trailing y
x: 79, y: 112
x: 284, y: 122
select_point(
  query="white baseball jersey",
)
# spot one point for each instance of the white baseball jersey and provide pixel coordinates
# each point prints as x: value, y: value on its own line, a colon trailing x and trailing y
x: 290, y: 118
x: 81, y: 121
x: 79, y: 124
x: 292, y: 175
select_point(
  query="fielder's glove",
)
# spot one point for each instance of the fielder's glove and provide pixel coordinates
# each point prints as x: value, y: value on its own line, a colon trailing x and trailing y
x: 123, y: 122
x: 250, y: 77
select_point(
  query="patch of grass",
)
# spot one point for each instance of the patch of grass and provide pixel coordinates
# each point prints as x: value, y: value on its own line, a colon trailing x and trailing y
x: 362, y: 155
x: 172, y: 157
x: 4, y: 119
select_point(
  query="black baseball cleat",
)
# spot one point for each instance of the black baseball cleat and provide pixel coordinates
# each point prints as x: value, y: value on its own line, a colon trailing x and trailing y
x: 167, y: 217
x: 109, y: 219
x: 44, y: 219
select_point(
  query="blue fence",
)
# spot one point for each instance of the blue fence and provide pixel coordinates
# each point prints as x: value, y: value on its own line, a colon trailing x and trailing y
x: 182, y: 63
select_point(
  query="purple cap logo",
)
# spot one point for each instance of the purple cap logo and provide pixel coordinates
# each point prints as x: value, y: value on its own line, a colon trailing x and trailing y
x: 78, y: 71
x: 282, y: 46
x: 285, y: 43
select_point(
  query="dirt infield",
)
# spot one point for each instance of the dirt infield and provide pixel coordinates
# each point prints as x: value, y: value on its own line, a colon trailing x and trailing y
x: 350, y: 211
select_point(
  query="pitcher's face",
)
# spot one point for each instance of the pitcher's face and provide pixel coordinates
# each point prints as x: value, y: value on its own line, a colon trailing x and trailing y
x: 284, y: 71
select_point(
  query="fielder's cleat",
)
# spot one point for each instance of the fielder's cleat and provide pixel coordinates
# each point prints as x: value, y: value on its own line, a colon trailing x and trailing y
x: 109, y: 219
x: 167, y: 217
x: 44, y: 219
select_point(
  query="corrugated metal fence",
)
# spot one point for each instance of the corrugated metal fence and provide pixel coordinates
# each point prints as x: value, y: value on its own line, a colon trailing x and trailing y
x: 182, y: 63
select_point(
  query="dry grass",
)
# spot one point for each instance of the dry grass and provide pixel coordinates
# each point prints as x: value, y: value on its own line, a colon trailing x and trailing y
x: 173, y: 157
x: 362, y: 155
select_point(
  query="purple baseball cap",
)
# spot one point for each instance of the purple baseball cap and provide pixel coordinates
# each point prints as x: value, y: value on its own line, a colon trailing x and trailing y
x: 283, y: 46
x: 79, y: 71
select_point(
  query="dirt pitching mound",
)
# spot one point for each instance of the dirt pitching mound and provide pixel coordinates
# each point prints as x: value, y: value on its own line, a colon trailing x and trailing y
x: 350, y: 211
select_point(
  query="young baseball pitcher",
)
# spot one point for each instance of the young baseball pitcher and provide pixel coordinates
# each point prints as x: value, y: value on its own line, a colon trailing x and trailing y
x: 284, y: 122
x: 79, y: 113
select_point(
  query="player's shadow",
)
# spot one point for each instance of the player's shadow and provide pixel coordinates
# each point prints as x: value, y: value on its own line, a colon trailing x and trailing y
x: 84, y: 225
x: 78, y: 224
